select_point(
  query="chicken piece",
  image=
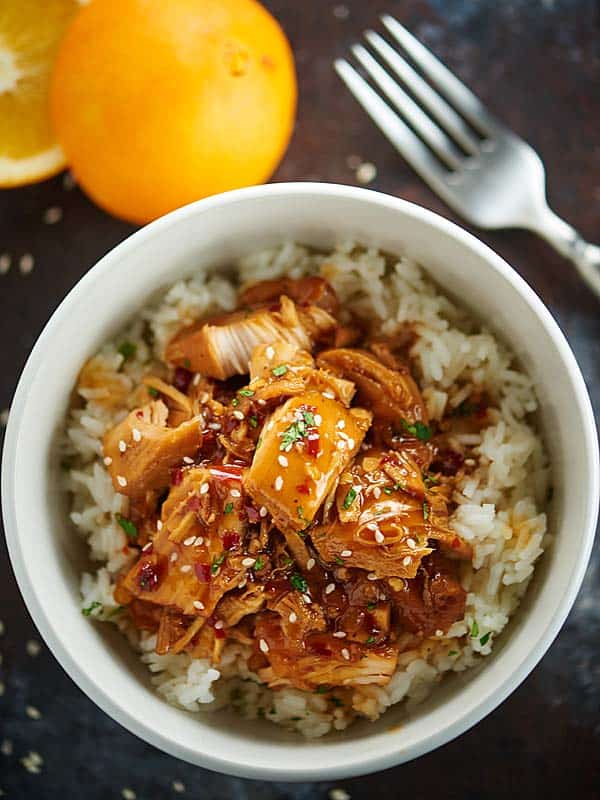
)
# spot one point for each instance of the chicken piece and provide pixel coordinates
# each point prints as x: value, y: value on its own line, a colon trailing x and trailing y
x: 309, y: 291
x: 392, y: 395
x: 433, y: 601
x: 180, y: 405
x: 322, y: 660
x: 237, y: 605
x: 383, y: 525
x: 221, y: 346
x: 199, y: 552
x: 143, y: 450
x: 306, y: 444
x: 298, y: 618
x: 99, y: 381
x: 266, y: 357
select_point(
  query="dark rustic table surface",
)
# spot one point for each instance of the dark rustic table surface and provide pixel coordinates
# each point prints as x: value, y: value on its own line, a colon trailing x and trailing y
x: 537, y: 64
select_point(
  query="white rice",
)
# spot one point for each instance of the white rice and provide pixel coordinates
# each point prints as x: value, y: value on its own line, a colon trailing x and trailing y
x: 499, y: 504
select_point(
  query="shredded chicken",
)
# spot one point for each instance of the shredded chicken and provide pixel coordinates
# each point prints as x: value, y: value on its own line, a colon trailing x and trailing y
x: 303, y: 513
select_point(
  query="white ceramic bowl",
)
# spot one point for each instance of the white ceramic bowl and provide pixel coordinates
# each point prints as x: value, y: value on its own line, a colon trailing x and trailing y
x: 47, y: 558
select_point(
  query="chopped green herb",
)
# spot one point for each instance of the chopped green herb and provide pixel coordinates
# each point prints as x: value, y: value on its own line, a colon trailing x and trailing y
x: 474, y: 630
x: 350, y: 498
x: 426, y: 510
x: 116, y: 611
x: 336, y: 701
x: 253, y: 422
x: 259, y: 442
x: 309, y: 418
x: 388, y: 489
x: 430, y: 480
x: 418, y: 429
x: 152, y: 391
x: 298, y: 582
x: 287, y: 561
x: 485, y: 639
x: 280, y: 370
x: 228, y: 508
x: 217, y: 561
x: 339, y: 560
x: 235, y: 402
x: 300, y: 512
x: 398, y: 486
x: 297, y: 430
x: 127, y: 350
x: 92, y: 606
x: 323, y: 689
x: 246, y: 392
x: 187, y: 363
x: 130, y: 530
x: 258, y: 564
x: 371, y: 606
x: 452, y: 652
x: 371, y: 639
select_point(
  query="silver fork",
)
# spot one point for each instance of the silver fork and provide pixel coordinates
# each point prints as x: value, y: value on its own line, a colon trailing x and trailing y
x: 480, y: 168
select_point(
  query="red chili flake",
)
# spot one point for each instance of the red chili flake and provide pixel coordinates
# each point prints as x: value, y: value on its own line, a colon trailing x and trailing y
x: 194, y: 503
x: 302, y: 488
x: 226, y: 472
x: 219, y: 633
x: 176, y: 476
x: 149, y: 576
x: 231, y: 539
x: 252, y: 514
x: 182, y: 379
x: 313, y: 445
x: 139, y: 414
x: 202, y: 572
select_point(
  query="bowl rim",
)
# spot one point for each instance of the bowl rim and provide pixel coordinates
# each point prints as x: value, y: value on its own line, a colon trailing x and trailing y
x: 369, y: 763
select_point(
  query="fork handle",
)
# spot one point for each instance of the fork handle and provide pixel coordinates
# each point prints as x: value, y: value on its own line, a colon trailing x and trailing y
x: 569, y: 243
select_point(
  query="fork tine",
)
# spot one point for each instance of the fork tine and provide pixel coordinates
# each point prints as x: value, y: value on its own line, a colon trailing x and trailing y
x: 460, y: 95
x: 439, y: 109
x: 426, y: 129
x: 410, y: 147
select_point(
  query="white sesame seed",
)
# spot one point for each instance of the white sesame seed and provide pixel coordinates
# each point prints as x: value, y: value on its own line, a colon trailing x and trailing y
x: 341, y: 424
x: 214, y: 426
x: 33, y: 648
x: 310, y: 563
x: 278, y: 483
x: 121, y: 480
x: 6, y: 748
x: 439, y: 632
x: 195, y: 381
x: 190, y: 540
x: 270, y: 352
x: 242, y: 584
x: 204, y: 488
x: 282, y: 460
x: 198, y: 604
x: 262, y: 511
x: 26, y: 263
x: 128, y: 794
x: 377, y: 493
x: 318, y: 419
x: 5, y: 262
x: 346, y: 553
x: 235, y: 493
x: 122, y: 445
x: 293, y: 617
x: 411, y: 543
x: 341, y: 444
x: 178, y: 786
x: 52, y: 215
x: 263, y: 646
x: 345, y: 653
x: 32, y: 712
x: 340, y: 634
x: 146, y: 547
x: 307, y: 599
x: 159, y: 525
x: 136, y: 434
x: 248, y: 562
x: 108, y: 461
x: 261, y: 402
x: 406, y: 561
x: 188, y: 460
x: 330, y: 588
x: 379, y: 537
x: 371, y: 576
x: 328, y: 395
x: 351, y: 444
x: 185, y: 568
x: 238, y: 414
x: 174, y: 556
x: 366, y: 173
x: 338, y: 794
x: 199, y: 541
x: 219, y: 624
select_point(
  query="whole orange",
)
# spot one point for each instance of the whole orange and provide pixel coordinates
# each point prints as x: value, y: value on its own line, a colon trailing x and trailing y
x: 160, y: 102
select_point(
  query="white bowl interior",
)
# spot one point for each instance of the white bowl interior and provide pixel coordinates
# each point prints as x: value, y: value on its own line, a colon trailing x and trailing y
x: 48, y: 558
